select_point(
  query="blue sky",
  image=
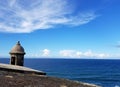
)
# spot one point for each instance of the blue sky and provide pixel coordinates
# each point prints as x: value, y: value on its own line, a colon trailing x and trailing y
x: 61, y: 28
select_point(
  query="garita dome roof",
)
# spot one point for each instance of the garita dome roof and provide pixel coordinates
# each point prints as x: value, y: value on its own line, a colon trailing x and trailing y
x: 17, y: 49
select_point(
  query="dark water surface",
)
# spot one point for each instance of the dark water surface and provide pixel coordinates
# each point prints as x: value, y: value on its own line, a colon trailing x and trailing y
x: 105, y: 73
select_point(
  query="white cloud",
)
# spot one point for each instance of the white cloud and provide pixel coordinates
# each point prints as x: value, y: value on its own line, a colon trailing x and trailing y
x: 46, y: 52
x: 24, y: 16
x: 102, y: 55
x: 89, y: 53
x: 67, y: 53
x: 79, y: 54
x: 83, y: 18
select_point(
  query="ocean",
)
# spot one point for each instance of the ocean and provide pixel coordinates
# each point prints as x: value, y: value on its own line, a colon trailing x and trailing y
x: 105, y: 73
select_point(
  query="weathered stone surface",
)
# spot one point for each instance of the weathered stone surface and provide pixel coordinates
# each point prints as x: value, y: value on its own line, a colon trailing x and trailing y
x: 17, y: 49
x: 17, y: 55
x: 12, y: 79
x: 20, y: 69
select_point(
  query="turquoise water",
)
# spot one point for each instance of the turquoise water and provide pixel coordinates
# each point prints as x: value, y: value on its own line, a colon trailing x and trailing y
x: 105, y: 73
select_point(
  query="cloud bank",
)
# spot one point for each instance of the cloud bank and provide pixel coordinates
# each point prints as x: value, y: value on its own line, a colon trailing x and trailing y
x: 79, y: 54
x: 47, y: 53
x: 25, y: 16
